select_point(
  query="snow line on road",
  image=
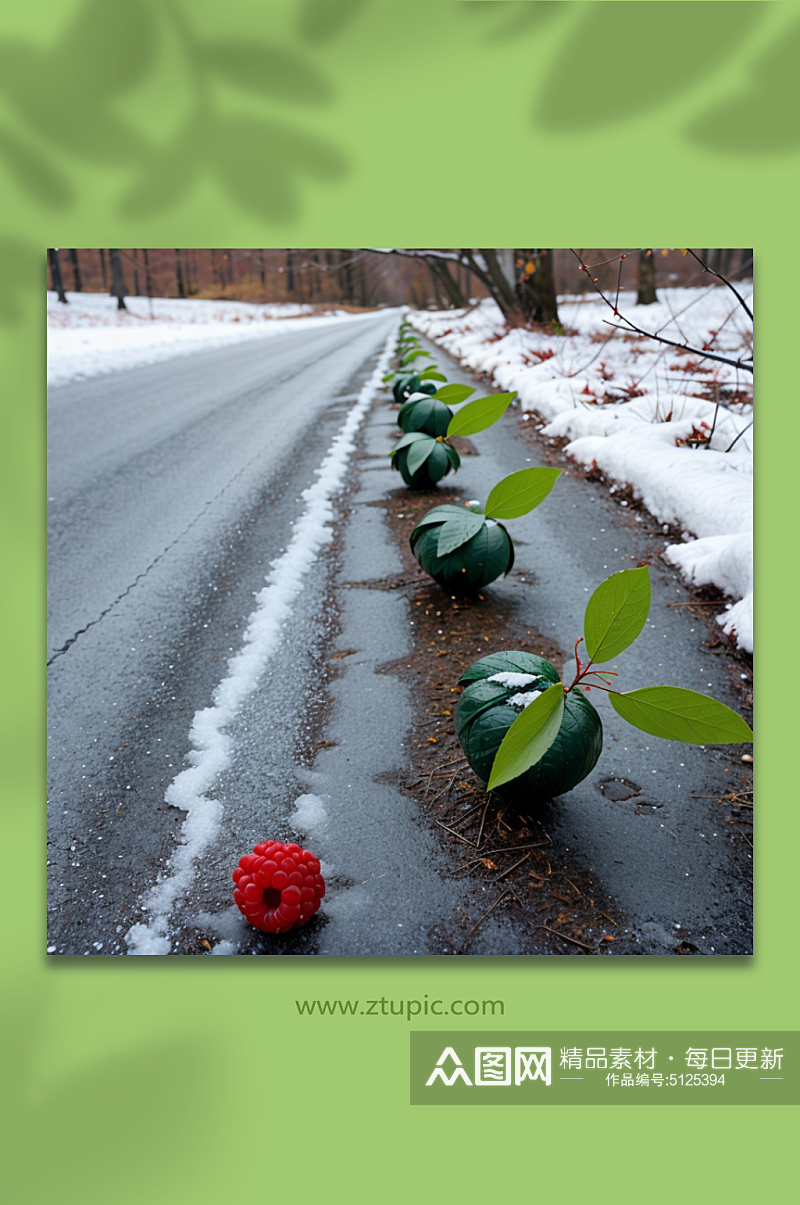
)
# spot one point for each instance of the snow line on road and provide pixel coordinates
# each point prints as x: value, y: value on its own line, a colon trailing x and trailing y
x: 211, y: 753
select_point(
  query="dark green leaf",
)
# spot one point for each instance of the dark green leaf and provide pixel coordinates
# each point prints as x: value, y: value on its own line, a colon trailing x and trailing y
x: 681, y: 715
x: 453, y: 394
x: 419, y: 453
x: 410, y: 438
x: 520, y: 492
x: 480, y: 414
x: 514, y: 662
x: 440, y: 514
x: 452, y: 456
x: 616, y: 613
x: 458, y: 530
x: 529, y: 737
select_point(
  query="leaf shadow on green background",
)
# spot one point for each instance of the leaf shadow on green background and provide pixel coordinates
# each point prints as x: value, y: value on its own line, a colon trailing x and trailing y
x: 625, y: 59
x: 515, y: 19
x: 762, y: 117
x: 141, y: 1099
x: 320, y: 21
x: 23, y: 269
x: 236, y: 97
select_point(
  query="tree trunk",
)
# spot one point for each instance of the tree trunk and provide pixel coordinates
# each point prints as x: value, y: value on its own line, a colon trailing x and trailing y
x: 76, y: 271
x: 55, y: 272
x: 536, y: 286
x: 136, y: 288
x: 500, y: 288
x: 103, y: 269
x: 290, y: 270
x: 442, y: 277
x: 646, y: 294
x: 118, y: 289
x: 148, y: 280
x: 179, y: 274
x: 746, y: 262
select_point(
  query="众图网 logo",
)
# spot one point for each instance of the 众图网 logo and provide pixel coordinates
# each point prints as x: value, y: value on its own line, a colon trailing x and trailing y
x: 494, y: 1066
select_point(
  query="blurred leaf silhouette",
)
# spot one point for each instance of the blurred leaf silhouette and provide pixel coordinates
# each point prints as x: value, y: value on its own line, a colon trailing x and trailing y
x: 65, y: 97
x: 596, y: 80
x: 257, y: 160
x: 35, y: 173
x: 96, y: 1112
x: 520, y: 17
x: 762, y: 117
x: 321, y: 20
x: 21, y: 262
x: 267, y: 71
x: 167, y: 173
x: 84, y: 70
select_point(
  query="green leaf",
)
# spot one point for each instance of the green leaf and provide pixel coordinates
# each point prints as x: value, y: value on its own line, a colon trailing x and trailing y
x: 457, y: 531
x: 453, y: 394
x: 389, y: 376
x: 412, y: 355
x: 480, y: 414
x: 432, y: 374
x: 420, y: 453
x: 452, y: 456
x: 616, y: 613
x: 520, y: 492
x: 529, y: 737
x: 440, y: 514
x: 405, y: 440
x: 681, y: 715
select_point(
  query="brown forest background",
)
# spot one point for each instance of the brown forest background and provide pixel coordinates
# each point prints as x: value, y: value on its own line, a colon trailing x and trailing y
x: 351, y: 278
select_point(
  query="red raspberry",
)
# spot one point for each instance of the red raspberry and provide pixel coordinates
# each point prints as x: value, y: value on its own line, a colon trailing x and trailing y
x: 278, y: 886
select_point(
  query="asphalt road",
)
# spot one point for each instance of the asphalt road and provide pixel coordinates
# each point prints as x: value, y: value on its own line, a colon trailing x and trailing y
x: 171, y: 490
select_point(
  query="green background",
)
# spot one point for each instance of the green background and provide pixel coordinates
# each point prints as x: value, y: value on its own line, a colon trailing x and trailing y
x: 416, y: 124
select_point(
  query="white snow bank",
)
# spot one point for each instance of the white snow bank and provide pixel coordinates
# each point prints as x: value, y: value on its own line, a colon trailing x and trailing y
x: 89, y: 336
x: 212, y: 746
x: 642, y: 413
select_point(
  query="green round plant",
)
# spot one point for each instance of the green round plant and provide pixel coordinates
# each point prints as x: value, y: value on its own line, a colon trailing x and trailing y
x: 424, y: 413
x: 471, y: 564
x: 498, y: 689
x: 467, y: 548
x: 423, y: 460
x: 409, y: 383
x: 555, y: 728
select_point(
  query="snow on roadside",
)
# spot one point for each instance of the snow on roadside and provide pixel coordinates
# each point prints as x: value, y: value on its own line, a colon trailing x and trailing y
x: 211, y: 748
x: 90, y: 336
x: 634, y: 410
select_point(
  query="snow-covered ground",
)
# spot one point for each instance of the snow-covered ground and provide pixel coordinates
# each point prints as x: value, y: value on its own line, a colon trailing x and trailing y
x: 642, y: 414
x: 90, y: 336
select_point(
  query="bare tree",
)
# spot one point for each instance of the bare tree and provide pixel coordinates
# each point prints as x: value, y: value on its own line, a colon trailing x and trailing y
x: 646, y: 294
x: 76, y: 270
x: 55, y: 273
x: 536, y: 286
x: 118, y: 289
x: 179, y: 274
